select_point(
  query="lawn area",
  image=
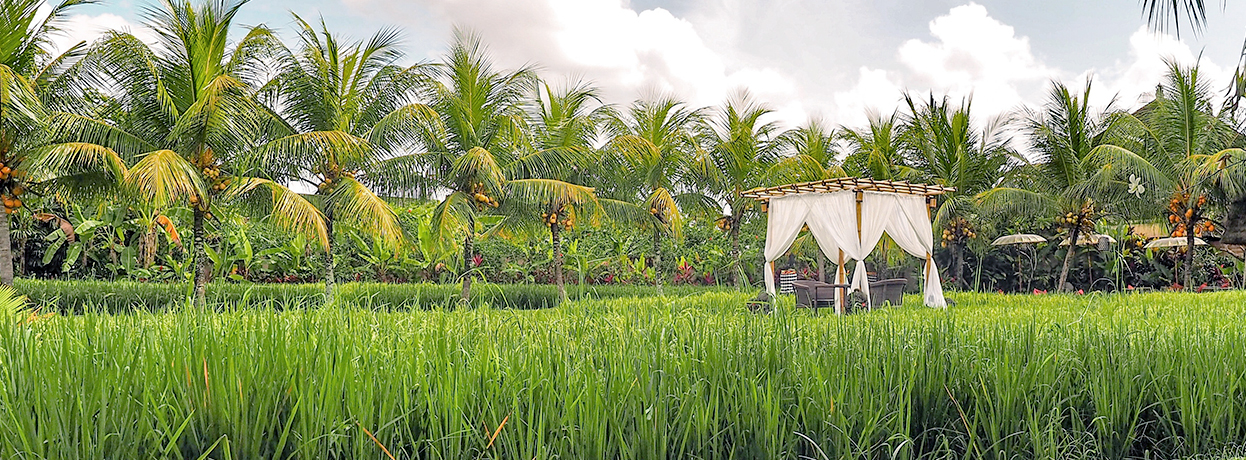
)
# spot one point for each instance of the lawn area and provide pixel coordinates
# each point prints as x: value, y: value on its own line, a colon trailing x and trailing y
x: 689, y: 376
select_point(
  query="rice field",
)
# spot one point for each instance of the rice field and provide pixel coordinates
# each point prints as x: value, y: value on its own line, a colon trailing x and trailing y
x: 697, y: 376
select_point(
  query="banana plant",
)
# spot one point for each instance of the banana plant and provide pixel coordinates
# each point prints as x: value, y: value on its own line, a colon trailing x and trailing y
x: 236, y: 251
x: 378, y: 254
x: 580, y: 261
x: 74, y: 238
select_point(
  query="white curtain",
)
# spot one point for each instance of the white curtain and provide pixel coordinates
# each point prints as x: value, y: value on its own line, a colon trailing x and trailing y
x: 911, y: 230
x: 833, y: 222
x: 877, y: 210
x: 786, y: 217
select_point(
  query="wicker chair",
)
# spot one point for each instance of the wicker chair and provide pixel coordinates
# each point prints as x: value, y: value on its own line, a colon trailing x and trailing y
x: 887, y: 292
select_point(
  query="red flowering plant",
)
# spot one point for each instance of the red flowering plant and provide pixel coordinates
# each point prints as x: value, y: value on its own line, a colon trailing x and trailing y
x: 684, y: 272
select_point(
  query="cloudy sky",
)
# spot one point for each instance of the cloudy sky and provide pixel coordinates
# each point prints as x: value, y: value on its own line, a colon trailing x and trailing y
x: 832, y: 60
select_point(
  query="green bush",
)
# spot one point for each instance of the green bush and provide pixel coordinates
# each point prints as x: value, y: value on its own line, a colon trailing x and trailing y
x: 125, y: 296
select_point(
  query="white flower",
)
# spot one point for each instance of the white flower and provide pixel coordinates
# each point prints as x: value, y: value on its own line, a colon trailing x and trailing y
x: 1135, y: 186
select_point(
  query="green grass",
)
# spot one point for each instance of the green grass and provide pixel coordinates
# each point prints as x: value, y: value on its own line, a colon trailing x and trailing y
x: 1157, y: 375
x: 127, y: 296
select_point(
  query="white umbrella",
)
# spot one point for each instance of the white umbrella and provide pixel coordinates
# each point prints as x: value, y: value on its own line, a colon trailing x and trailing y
x: 1020, y: 238
x: 1173, y: 242
x: 1089, y: 240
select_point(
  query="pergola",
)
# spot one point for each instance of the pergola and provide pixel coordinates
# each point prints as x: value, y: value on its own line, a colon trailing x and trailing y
x: 847, y: 217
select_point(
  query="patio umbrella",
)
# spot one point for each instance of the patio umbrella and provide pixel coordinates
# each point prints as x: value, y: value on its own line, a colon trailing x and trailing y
x: 1173, y: 242
x: 1020, y: 238
x: 1089, y: 240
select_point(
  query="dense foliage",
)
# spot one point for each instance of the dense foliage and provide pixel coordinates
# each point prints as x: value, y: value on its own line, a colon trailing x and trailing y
x: 177, y: 162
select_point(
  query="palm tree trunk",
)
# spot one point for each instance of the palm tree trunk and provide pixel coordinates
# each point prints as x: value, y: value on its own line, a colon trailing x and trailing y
x: 958, y: 264
x: 556, y: 239
x: 657, y: 260
x: 201, y: 265
x: 330, y: 269
x: 467, y: 265
x: 20, y: 257
x: 6, y: 251
x: 1189, y: 257
x: 821, y: 266
x: 736, y: 264
x: 1068, y: 259
x: 148, y: 249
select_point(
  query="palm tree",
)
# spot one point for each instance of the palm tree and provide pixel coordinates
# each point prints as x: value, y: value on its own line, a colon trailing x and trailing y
x: 1187, y: 146
x: 343, y: 109
x: 480, y: 125
x: 652, y: 155
x: 188, y: 115
x: 27, y: 68
x: 564, y: 123
x: 743, y: 150
x: 944, y: 148
x: 1074, y: 176
x: 876, y: 151
x: 806, y: 153
x: 1161, y: 13
x: 479, y: 150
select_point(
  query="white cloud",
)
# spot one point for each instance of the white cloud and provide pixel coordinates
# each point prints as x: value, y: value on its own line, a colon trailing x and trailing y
x: 629, y: 53
x: 973, y: 54
x: 1133, y: 81
x: 86, y: 28
x: 876, y: 91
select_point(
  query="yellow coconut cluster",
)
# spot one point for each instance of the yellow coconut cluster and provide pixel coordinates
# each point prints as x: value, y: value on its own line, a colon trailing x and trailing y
x: 207, y: 163
x: 13, y: 189
x: 481, y: 194
x: 1083, y: 220
x: 958, y: 229
x: 333, y: 175
x: 566, y: 223
x: 724, y: 223
x: 1181, y: 216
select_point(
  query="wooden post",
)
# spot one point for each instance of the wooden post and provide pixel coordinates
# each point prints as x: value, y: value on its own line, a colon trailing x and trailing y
x: 767, y: 264
x: 839, y: 275
x: 930, y: 204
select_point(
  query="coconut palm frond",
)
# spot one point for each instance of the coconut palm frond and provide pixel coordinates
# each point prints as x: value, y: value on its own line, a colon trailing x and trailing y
x: 1016, y: 202
x: 67, y: 127
x: 163, y: 177
x: 330, y: 148
x: 479, y: 165
x: 1111, y: 162
x: 287, y: 209
x: 75, y: 158
x: 19, y: 100
x: 664, y: 213
x: 452, y: 218
x: 353, y: 203
x: 549, y: 191
x: 801, y: 168
x: 407, y: 126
